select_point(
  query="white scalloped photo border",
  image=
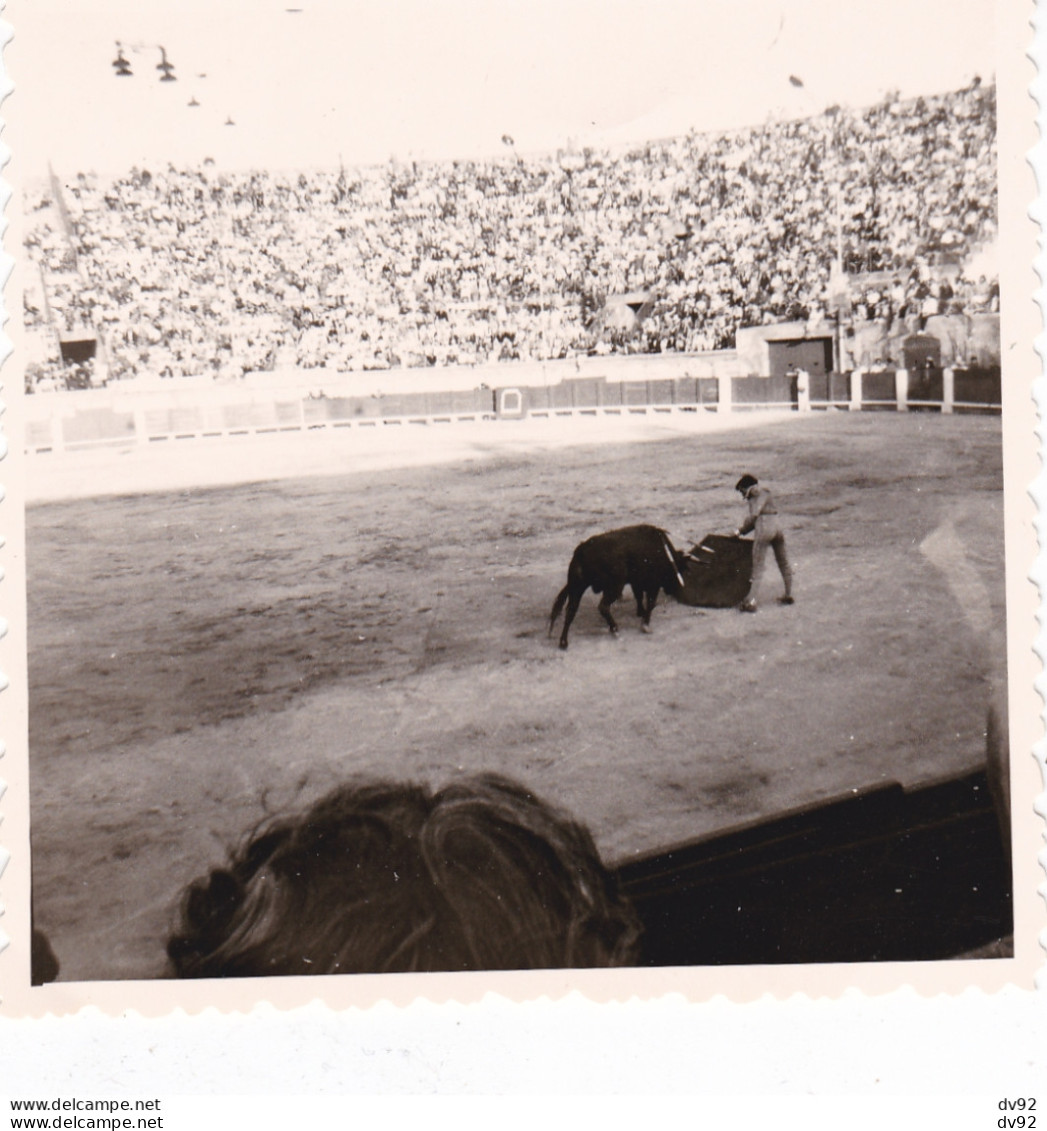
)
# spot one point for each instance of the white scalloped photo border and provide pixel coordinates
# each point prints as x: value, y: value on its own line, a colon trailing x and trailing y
x: 1020, y: 327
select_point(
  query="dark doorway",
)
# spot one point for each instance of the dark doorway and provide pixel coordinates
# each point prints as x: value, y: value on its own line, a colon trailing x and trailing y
x: 815, y: 355
x: 921, y: 351
x: 78, y: 350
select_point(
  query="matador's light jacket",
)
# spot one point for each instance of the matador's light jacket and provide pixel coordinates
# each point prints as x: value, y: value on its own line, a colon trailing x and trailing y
x: 763, y: 514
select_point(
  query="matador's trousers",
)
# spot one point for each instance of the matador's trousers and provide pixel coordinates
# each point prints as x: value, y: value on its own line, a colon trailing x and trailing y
x: 768, y: 534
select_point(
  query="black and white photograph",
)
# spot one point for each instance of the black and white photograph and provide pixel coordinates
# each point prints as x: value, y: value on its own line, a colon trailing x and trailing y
x: 520, y: 488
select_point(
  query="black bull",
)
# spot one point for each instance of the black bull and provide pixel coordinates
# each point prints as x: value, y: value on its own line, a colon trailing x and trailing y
x: 715, y: 574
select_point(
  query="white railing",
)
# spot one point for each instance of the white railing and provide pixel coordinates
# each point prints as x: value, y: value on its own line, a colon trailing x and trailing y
x: 47, y: 431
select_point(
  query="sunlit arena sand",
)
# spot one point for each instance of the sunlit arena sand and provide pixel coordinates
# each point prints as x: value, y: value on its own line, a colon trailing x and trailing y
x: 229, y: 629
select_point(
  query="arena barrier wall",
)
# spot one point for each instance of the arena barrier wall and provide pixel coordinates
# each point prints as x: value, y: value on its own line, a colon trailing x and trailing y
x: 944, y: 390
x: 925, y: 388
x: 879, y: 390
x: 830, y: 389
x: 976, y: 389
x: 118, y: 416
x: 763, y: 392
x: 590, y: 395
x: 887, y: 874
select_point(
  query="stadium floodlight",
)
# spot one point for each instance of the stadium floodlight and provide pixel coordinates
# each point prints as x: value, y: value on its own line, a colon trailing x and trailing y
x: 122, y: 64
x: 123, y: 67
x: 167, y: 68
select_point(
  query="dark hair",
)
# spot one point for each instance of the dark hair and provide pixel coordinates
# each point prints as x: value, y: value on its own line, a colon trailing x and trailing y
x: 745, y: 483
x: 391, y: 877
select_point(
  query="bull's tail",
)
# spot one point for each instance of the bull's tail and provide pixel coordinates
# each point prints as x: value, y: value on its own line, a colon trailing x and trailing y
x: 558, y: 604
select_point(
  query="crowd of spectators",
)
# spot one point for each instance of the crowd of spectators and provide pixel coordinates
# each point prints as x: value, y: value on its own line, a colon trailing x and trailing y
x: 201, y: 272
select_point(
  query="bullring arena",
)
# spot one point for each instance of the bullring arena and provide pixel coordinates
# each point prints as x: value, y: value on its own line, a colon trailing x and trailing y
x: 230, y: 650
x: 246, y: 587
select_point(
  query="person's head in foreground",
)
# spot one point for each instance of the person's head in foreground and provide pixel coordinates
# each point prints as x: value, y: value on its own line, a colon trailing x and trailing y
x: 392, y: 877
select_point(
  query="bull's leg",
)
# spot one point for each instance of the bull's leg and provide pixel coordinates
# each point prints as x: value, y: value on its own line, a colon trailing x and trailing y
x: 638, y: 596
x: 652, y: 600
x: 573, y: 601
x: 606, y: 601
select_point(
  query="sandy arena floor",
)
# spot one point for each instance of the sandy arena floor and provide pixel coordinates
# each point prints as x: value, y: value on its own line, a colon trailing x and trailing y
x: 218, y: 631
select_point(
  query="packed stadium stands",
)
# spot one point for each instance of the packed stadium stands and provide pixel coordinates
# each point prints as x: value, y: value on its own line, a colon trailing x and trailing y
x: 201, y: 272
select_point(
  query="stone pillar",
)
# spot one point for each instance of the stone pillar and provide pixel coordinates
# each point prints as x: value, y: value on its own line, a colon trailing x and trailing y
x: 803, y: 391
x: 901, y: 389
x: 948, y: 390
x: 723, y: 394
x: 856, y: 390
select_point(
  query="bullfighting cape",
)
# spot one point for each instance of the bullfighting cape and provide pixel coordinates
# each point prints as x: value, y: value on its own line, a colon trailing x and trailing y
x: 718, y: 573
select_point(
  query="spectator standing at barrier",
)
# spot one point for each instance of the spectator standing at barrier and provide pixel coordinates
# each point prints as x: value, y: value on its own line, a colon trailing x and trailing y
x: 763, y: 521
